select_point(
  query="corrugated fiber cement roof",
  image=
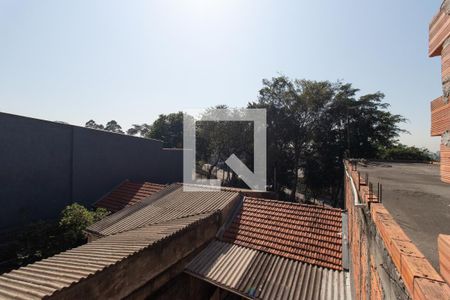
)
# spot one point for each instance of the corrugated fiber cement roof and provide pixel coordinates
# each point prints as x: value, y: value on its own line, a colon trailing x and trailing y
x: 260, y: 275
x: 48, y: 276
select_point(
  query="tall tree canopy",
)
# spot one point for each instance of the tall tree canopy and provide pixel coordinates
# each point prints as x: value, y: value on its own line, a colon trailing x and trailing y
x: 217, y: 140
x: 142, y: 130
x: 111, y: 126
x: 313, y: 125
x: 169, y: 129
x: 92, y: 124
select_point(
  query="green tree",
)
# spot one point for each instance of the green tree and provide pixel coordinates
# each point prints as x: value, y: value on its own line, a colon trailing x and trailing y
x: 217, y: 140
x: 92, y: 124
x: 313, y: 125
x: 46, y: 238
x: 75, y: 218
x: 142, y: 130
x: 169, y: 129
x: 113, y: 126
x: 403, y: 152
x: 294, y: 106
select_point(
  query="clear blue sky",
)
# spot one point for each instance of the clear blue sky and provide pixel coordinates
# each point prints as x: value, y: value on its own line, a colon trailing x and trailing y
x: 131, y: 60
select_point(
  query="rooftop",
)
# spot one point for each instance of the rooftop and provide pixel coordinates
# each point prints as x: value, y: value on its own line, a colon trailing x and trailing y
x: 184, y: 221
x: 127, y: 194
x: 170, y: 203
x: 277, y: 250
x: 60, y: 272
x: 265, y: 249
x: 307, y: 233
x: 260, y: 275
x: 417, y: 199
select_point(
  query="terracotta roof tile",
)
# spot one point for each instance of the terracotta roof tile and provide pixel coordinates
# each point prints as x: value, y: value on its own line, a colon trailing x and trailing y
x: 127, y: 194
x: 308, y: 233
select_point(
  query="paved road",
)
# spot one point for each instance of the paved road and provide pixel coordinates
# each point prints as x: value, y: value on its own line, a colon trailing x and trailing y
x: 417, y: 199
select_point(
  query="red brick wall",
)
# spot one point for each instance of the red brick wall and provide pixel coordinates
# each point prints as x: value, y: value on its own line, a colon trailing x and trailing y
x: 384, y: 263
x: 440, y: 117
x: 439, y: 44
x: 445, y: 164
x: 365, y: 280
x: 444, y: 256
x: 438, y: 33
x: 375, y: 285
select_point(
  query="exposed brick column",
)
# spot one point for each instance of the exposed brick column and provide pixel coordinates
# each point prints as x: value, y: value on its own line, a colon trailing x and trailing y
x: 444, y: 256
x: 445, y: 157
x: 439, y: 44
x: 445, y: 61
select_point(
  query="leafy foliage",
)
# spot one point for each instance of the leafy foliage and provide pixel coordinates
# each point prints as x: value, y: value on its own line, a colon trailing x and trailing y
x: 46, y: 238
x: 313, y: 125
x: 216, y: 141
x: 169, y: 129
x: 92, y: 124
x: 113, y: 126
x: 142, y: 130
x: 403, y: 152
x: 74, y: 220
x: 37, y: 241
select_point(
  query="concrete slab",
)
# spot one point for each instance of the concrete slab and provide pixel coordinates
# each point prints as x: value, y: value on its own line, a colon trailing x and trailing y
x: 417, y: 199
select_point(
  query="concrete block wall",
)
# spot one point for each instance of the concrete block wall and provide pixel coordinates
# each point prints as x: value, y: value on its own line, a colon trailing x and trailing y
x: 45, y: 166
x: 439, y: 45
x: 384, y: 262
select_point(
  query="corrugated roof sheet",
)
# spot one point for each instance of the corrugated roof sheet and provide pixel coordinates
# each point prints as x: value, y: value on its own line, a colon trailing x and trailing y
x: 308, y: 233
x: 128, y: 193
x: 168, y: 204
x: 47, y: 276
x: 260, y: 275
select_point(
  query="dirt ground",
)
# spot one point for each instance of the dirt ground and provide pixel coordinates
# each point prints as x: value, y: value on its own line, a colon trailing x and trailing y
x: 417, y: 199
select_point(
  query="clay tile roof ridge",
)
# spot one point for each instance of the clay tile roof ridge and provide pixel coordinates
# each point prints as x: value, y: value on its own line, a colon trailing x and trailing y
x: 294, y: 204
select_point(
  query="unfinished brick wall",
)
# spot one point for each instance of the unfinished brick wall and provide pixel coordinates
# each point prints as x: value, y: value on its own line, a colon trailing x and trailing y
x: 366, y: 255
x: 384, y: 263
x: 445, y: 163
x: 444, y: 256
x: 439, y: 44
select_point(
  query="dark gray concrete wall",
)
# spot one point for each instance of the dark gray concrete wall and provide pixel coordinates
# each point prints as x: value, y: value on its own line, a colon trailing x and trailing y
x: 45, y: 165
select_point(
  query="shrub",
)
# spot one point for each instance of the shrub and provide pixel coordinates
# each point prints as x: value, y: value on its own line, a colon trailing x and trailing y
x: 38, y: 240
x: 42, y: 239
x: 403, y: 152
x: 74, y: 220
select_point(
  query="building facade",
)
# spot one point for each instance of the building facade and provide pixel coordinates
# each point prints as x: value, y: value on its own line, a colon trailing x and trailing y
x: 439, y: 45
